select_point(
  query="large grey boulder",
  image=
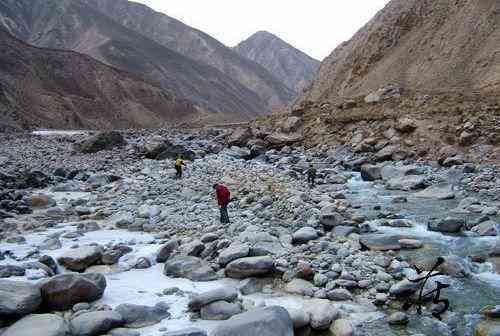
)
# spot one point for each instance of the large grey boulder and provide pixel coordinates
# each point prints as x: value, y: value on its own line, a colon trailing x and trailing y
x: 166, y: 251
x: 370, y: 172
x: 191, y: 268
x: 406, y: 183
x: 95, y: 323
x: 322, y: 313
x: 64, y: 291
x: 219, y: 310
x: 100, y: 142
x: 220, y: 294
x: 270, y: 321
x: 441, y: 191
x: 304, y: 235
x: 80, y: 258
x: 250, y: 267
x: 488, y: 228
x: 239, y: 137
x: 39, y: 325
x: 342, y: 327
x: 233, y: 252
x: 137, y: 316
x: 281, y: 139
x: 331, y: 219
x: 448, y: 225
x: 187, y: 332
x: 18, y: 298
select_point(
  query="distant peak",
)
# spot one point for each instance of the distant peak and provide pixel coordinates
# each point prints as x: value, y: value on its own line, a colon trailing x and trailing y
x: 262, y: 34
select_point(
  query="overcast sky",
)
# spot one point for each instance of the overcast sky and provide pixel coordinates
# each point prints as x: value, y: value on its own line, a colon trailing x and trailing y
x: 314, y: 26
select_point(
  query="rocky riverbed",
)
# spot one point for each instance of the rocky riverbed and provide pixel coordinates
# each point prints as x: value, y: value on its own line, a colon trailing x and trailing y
x: 97, y: 237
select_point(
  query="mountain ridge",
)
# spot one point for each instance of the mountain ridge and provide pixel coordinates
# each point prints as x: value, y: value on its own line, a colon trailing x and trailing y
x: 284, y: 61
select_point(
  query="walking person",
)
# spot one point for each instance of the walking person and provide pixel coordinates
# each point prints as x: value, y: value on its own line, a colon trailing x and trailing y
x: 179, y: 163
x: 311, y: 175
x: 223, y: 199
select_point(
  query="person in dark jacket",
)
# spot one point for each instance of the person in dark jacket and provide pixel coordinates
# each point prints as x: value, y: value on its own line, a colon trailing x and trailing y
x: 311, y: 175
x: 223, y: 198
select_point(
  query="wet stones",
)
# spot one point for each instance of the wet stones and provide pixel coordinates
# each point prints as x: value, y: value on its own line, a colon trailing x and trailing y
x: 250, y: 267
x: 222, y: 294
x: 95, y: 323
x: 64, y: 291
x: 304, y: 235
x: 448, y: 225
x: 188, y: 267
x: 166, y: 251
x: 219, y: 310
x: 18, y: 298
x: 233, y: 252
x: 270, y: 321
x: 322, y: 313
x: 80, y: 258
x: 40, y: 325
x: 138, y: 316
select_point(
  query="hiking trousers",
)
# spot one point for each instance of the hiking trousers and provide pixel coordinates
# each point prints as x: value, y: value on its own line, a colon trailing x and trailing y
x: 224, y: 216
x: 178, y: 170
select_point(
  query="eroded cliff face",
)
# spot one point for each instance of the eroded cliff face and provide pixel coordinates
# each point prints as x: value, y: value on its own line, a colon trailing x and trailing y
x: 64, y: 89
x: 420, y: 45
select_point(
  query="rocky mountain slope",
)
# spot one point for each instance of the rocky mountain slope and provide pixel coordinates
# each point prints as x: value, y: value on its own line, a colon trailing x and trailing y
x: 72, y: 24
x: 430, y: 46
x: 63, y: 89
x: 285, y: 62
x: 419, y: 81
x: 199, y: 46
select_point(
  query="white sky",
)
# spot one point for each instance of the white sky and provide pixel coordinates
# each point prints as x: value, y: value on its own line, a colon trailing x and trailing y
x: 314, y: 26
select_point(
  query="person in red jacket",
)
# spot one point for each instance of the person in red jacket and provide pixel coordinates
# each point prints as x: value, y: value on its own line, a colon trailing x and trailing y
x: 223, y: 198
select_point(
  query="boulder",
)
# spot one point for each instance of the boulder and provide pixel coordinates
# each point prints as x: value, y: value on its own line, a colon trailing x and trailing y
x: 322, y: 313
x: 162, y: 149
x: 381, y: 242
x: 270, y: 321
x: 342, y: 327
x: 100, y: 142
x: 488, y: 228
x: 406, y: 183
x: 39, y: 325
x: 448, y: 225
x: 64, y: 291
x: 219, y: 310
x: 370, y: 172
x: 291, y: 124
x: 80, y: 258
x: 304, y: 235
x: 404, y: 288
x: 191, y: 268
x: 7, y: 271
x: 398, y: 318
x: 18, y: 298
x: 233, y: 252
x: 300, y: 287
x: 239, y: 137
x: 392, y: 152
x: 489, y: 327
x: 250, y: 267
x: 220, y: 294
x: 137, y: 316
x: 186, y: 332
x: 329, y: 220
x: 281, y: 139
x: 299, y: 317
x: 339, y: 294
x: 95, y: 323
x: 166, y: 251
x: 442, y: 191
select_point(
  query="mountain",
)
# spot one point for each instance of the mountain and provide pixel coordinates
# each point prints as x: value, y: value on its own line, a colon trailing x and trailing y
x: 63, y: 89
x: 74, y: 25
x: 198, y: 46
x: 288, y: 64
x: 422, y: 45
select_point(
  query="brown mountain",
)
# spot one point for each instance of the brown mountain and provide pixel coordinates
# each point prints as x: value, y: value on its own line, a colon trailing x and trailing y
x: 63, y: 89
x: 424, y: 45
x: 199, y: 46
x: 74, y: 25
x: 288, y: 64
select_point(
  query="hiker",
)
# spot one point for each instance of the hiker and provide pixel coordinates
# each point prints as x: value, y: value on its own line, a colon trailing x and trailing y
x: 178, y: 166
x: 223, y: 198
x: 311, y: 175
